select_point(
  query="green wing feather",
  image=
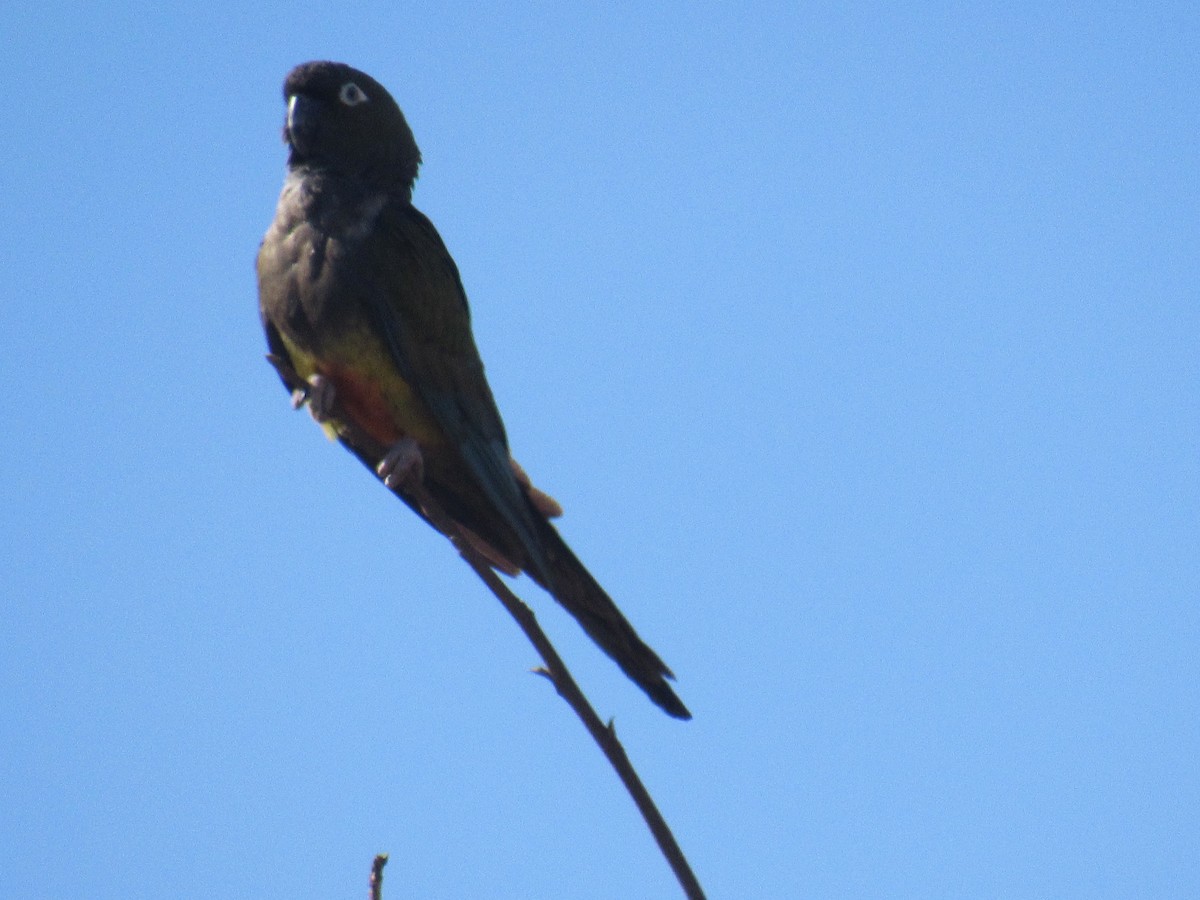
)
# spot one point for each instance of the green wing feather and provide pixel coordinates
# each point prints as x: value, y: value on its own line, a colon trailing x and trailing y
x: 420, y: 310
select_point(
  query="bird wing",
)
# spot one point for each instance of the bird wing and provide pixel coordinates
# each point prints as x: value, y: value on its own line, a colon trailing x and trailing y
x: 420, y: 310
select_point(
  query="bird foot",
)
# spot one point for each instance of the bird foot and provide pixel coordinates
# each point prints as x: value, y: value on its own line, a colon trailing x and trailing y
x: 322, y: 397
x: 402, y: 464
x: 542, y: 502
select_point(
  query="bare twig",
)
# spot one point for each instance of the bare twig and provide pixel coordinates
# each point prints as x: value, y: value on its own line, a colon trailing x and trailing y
x: 376, y: 881
x: 414, y: 493
x: 604, y: 735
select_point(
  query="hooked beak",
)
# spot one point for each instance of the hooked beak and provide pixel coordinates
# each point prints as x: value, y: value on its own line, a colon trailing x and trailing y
x: 300, y: 127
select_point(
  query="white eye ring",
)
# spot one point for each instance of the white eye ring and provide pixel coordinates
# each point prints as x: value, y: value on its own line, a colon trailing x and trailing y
x: 351, y: 94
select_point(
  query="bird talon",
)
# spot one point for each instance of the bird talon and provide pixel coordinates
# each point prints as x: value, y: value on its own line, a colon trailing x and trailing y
x: 401, y: 464
x: 322, y: 397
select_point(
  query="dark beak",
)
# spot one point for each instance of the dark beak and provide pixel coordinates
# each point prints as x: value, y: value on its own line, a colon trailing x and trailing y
x: 300, y: 128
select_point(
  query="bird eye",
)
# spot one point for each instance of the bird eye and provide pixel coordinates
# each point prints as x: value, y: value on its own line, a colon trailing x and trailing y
x: 351, y: 94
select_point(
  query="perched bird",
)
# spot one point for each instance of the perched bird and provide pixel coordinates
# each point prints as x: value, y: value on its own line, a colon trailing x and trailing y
x: 357, y: 288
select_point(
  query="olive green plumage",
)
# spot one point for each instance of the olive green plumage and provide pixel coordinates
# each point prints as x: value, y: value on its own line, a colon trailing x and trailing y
x: 356, y: 285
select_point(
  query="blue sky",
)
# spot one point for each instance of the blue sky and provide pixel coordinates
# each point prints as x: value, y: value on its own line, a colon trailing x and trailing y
x: 859, y: 343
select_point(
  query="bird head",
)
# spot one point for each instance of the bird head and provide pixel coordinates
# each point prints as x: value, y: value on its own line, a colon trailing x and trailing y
x: 343, y: 121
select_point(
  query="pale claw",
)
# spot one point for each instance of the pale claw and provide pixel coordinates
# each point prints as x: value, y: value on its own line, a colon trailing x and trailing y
x: 322, y: 396
x: 401, y: 463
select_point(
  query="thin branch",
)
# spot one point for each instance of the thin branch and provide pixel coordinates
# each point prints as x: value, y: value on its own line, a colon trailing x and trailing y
x: 605, y: 736
x: 376, y: 881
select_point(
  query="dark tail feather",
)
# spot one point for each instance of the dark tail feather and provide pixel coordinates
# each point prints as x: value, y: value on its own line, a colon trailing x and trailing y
x: 580, y: 594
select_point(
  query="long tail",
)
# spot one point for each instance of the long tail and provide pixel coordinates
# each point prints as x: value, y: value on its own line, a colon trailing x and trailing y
x: 573, y: 586
x: 581, y: 595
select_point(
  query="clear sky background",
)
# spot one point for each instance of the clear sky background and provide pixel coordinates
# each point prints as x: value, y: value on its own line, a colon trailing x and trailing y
x: 858, y: 341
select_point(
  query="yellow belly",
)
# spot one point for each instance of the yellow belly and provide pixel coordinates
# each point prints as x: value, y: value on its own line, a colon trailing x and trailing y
x: 370, y: 390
